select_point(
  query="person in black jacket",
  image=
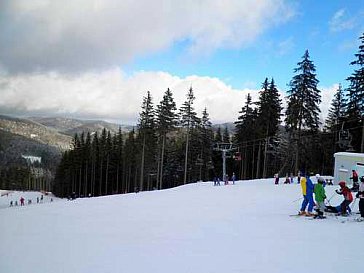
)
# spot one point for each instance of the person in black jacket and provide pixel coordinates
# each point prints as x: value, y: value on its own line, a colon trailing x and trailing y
x: 355, y: 179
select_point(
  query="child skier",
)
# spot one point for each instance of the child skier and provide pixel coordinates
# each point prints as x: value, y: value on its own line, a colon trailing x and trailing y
x: 348, y: 197
x: 320, y: 196
x: 360, y: 195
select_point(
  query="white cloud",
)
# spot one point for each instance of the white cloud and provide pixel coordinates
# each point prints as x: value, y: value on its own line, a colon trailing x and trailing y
x: 81, y: 35
x: 340, y: 22
x: 113, y: 95
x: 327, y: 95
x: 285, y: 46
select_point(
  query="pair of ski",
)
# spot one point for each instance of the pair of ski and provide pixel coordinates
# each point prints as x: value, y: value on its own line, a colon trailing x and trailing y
x: 342, y: 219
x: 310, y: 217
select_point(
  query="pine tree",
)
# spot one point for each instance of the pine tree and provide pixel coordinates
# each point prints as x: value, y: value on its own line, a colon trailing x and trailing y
x: 269, y: 113
x: 303, y: 102
x: 130, y: 162
x: 355, y: 105
x: 119, y: 149
x: 245, y: 133
x: 189, y: 120
x: 337, y: 111
x: 147, y: 138
x: 226, y: 135
x: 206, y: 145
x: 166, y: 122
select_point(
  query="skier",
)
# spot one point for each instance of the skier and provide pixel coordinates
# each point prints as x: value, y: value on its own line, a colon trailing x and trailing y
x: 360, y: 195
x: 348, y: 197
x: 355, y: 179
x: 287, y: 181
x: 319, y: 178
x: 307, y: 192
x: 233, y: 178
x: 336, y: 209
x: 11, y: 203
x: 299, y: 177
x: 320, y: 196
x: 22, y: 201
x: 226, y: 179
x: 276, y: 179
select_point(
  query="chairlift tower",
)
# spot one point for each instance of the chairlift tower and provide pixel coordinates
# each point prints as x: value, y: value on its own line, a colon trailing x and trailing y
x: 224, y: 148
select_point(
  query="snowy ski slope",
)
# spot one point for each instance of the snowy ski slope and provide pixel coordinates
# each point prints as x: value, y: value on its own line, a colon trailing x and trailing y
x: 197, y: 228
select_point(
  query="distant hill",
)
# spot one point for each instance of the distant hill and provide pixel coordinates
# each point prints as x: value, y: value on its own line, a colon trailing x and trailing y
x: 229, y: 125
x: 14, y: 147
x: 70, y: 127
x: 34, y: 131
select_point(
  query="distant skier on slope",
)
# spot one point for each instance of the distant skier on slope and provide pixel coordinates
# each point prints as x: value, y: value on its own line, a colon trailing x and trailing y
x: 348, y: 197
x: 355, y: 179
x: 307, y: 192
x: 276, y: 179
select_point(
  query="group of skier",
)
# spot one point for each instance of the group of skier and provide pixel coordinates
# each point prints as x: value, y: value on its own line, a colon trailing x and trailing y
x: 226, y: 180
x: 22, y: 201
x: 309, y: 190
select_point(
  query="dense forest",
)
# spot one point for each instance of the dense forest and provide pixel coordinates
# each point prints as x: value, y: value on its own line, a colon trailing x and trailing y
x: 171, y: 146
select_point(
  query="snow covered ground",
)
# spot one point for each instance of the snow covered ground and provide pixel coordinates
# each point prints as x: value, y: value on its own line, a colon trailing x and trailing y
x: 197, y: 228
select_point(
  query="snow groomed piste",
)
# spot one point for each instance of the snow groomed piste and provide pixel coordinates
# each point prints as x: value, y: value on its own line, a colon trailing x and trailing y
x: 193, y: 228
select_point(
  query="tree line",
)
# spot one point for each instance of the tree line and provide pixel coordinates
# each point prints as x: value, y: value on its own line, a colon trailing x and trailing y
x: 171, y: 147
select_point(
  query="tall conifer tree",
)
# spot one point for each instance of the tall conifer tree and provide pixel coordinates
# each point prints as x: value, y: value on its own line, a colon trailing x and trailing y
x: 303, y: 102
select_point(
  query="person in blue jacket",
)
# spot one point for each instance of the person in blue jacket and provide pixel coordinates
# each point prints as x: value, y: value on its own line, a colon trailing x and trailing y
x: 307, y: 192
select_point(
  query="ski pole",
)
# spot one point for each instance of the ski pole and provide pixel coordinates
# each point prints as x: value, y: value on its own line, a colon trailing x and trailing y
x: 328, y: 200
x: 352, y: 206
x: 297, y: 199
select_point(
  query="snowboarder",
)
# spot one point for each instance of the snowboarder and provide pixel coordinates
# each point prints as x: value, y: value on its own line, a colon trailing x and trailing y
x: 320, y: 196
x: 355, y: 179
x: 22, y: 201
x: 307, y: 192
x: 360, y: 195
x: 348, y: 197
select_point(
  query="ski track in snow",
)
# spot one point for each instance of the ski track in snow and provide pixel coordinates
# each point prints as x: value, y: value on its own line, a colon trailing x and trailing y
x: 197, y: 228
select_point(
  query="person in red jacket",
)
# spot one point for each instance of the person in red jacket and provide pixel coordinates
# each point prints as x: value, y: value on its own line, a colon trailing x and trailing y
x: 21, y: 201
x: 348, y: 197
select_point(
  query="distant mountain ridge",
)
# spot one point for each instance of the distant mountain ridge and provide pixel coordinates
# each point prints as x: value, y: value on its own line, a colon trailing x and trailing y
x: 70, y: 126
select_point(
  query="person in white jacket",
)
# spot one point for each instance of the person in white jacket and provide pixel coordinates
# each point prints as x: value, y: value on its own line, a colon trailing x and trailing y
x: 360, y: 195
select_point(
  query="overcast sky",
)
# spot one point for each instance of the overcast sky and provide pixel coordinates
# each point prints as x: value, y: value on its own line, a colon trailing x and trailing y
x: 98, y: 58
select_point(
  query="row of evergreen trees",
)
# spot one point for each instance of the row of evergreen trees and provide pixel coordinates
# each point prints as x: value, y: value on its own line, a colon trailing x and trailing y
x: 171, y: 147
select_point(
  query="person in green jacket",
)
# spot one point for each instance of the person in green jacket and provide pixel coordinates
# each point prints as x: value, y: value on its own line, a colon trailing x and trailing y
x: 320, y: 196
